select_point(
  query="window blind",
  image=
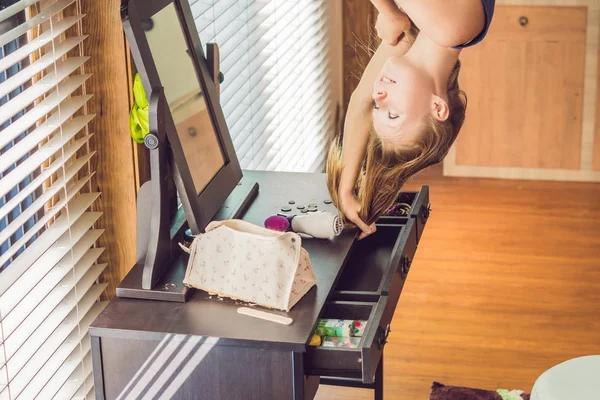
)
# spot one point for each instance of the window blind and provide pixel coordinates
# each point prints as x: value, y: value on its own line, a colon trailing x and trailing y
x: 282, y: 65
x: 49, y: 269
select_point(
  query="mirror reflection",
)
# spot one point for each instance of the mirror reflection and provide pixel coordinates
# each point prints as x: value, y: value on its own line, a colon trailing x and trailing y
x: 184, y: 96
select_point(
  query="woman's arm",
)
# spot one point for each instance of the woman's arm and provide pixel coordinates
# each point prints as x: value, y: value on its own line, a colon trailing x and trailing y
x: 357, y: 128
x: 446, y: 23
x: 357, y: 125
x: 391, y: 21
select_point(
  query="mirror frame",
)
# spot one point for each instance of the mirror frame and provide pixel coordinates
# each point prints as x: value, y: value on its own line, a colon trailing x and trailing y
x: 199, y: 208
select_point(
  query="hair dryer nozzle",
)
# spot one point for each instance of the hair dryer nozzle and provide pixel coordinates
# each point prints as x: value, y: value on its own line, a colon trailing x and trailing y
x: 321, y: 225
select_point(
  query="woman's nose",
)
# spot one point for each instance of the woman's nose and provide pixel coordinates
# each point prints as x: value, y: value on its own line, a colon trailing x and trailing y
x: 379, y: 94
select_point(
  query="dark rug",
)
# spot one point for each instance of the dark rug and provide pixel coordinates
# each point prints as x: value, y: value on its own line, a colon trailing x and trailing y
x: 442, y: 392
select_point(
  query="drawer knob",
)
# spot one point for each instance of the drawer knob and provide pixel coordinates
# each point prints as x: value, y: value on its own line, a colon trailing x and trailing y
x: 383, y: 335
x: 523, y: 21
x: 405, y: 266
x: 151, y: 141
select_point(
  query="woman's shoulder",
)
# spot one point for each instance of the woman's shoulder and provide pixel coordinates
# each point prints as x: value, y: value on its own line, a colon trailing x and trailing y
x: 458, y: 23
x: 488, y: 10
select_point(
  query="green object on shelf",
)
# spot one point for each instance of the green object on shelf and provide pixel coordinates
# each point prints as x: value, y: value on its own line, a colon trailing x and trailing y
x: 510, y: 395
x: 139, y: 124
x: 340, y: 327
x: 337, y: 341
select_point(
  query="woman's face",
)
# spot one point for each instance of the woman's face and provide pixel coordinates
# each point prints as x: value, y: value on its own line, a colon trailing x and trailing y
x: 402, y: 96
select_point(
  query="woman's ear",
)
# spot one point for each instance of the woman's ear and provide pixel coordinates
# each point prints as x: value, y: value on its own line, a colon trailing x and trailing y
x: 439, y: 108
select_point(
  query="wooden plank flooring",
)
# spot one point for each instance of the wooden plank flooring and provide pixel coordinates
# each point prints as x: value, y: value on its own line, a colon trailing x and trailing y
x: 505, y: 284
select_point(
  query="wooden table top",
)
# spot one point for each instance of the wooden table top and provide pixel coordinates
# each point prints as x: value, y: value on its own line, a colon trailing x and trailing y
x: 208, y: 316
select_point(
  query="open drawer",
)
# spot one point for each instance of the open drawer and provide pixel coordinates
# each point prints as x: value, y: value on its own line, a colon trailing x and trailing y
x: 368, y: 289
x: 378, y: 265
x: 420, y: 209
x: 361, y: 362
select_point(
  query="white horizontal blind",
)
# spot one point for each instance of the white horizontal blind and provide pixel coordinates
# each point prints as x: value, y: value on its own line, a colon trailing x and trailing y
x: 282, y: 77
x: 49, y: 267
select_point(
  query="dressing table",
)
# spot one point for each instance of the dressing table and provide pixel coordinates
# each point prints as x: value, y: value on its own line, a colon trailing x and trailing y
x: 158, y: 339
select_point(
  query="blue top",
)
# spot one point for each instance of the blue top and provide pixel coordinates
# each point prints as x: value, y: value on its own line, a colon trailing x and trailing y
x: 488, y: 8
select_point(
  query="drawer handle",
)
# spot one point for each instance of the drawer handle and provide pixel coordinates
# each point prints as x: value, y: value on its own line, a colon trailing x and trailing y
x: 426, y: 212
x: 405, y: 263
x: 383, y: 335
x: 523, y: 21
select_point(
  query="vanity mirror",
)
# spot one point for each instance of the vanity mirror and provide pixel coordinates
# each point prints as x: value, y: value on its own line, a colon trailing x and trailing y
x: 190, y: 146
x: 185, y: 97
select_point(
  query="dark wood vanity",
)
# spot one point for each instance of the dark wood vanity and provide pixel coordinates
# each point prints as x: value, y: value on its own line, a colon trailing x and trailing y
x: 157, y: 339
x: 204, y: 349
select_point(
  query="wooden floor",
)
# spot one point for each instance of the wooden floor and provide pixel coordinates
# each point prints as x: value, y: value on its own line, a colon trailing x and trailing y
x: 505, y: 284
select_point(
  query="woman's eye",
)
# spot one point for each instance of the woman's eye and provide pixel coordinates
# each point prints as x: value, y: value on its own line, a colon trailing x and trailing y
x: 392, y: 116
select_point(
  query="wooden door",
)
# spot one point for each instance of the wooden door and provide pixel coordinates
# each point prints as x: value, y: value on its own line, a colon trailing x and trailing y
x: 525, y: 82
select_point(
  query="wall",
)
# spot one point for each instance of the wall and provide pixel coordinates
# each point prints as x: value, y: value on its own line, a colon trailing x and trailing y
x: 114, y: 161
x: 359, y: 18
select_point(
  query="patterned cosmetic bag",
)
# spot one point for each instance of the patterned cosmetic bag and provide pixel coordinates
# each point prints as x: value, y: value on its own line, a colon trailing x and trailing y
x: 242, y: 261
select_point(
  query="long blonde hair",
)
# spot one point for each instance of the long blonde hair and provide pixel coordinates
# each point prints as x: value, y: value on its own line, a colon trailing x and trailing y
x: 385, y: 169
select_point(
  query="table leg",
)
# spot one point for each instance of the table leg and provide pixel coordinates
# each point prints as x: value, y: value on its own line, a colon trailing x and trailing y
x: 96, y: 350
x: 298, y: 376
x: 379, y: 380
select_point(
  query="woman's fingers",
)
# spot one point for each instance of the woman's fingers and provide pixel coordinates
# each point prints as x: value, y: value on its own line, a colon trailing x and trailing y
x: 364, y: 235
x: 361, y: 225
x: 350, y: 206
x: 390, y: 28
x: 372, y: 230
x: 366, y: 229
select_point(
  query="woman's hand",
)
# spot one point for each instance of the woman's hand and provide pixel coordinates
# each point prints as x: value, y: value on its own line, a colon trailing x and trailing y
x: 350, y: 207
x: 391, y: 26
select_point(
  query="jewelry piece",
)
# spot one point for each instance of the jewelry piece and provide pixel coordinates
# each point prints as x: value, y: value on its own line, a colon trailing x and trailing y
x: 399, y: 210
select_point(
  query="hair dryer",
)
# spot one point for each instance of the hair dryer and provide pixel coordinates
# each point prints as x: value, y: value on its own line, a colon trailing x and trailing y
x: 320, y: 225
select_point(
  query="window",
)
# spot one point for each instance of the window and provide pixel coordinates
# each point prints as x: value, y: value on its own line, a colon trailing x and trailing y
x: 48, y: 256
x: 282, y: 65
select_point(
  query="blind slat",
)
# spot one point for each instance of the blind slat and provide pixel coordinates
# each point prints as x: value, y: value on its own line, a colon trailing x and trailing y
x: 264, y: 111
x: 91, y: 394
x: 40, y: 281
x: 38, y: 205
x: 41, y: 222
x: 52, y: 355
x: 45, y: 346
x: 278, y: 67
x: 275, y: 63
x: 70, y: 170
x: 40, y: 88
x: 64, y: 90
x: 79, y: 371
x: 24, y: 51
x: 15, y: 9
x: 18, y: 151
x: 48, y: 262
x: 47, y: 239
x: 85, y: 304
x: 33, y: 162
x: 47, y: 60
x: 39, y: 19
x: 15, y: 321
x: 20, y: 347
x: 313, y: 74
x: 85, y: 388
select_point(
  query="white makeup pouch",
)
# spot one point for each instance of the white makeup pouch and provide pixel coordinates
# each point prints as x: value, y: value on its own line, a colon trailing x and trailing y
x: 243, y: 261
